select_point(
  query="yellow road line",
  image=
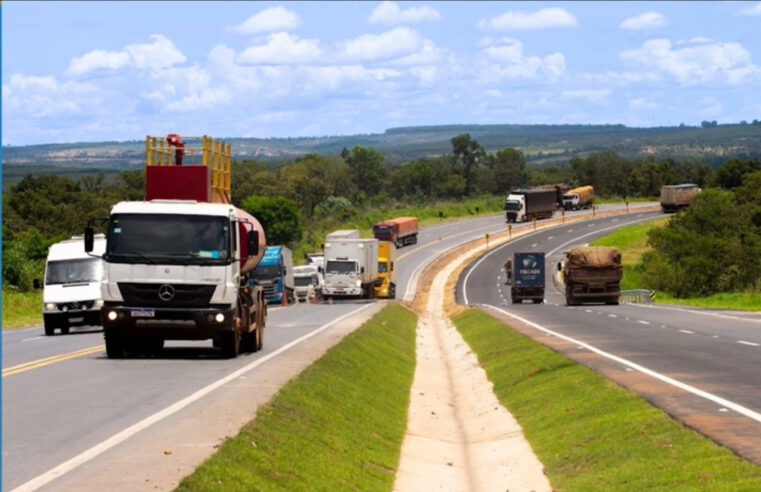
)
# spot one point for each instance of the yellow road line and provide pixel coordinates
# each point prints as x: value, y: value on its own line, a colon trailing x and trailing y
x: 26, y: 366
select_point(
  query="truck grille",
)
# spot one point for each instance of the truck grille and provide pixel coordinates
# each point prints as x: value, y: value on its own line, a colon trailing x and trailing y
x: 270, y: 290
x: 185, y: 295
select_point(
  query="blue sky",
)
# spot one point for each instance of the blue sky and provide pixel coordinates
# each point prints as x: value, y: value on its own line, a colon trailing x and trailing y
x: 92, y: 71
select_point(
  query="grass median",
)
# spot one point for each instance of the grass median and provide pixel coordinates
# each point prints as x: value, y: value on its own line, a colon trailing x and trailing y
x: 338, y: 425
x: 589, y: 433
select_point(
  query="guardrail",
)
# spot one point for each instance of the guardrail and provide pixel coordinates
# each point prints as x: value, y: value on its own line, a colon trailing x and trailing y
x: 637, y: 296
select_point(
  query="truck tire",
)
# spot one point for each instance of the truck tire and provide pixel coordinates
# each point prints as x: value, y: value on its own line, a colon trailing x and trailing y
x: 230, y: 344
x: 392, y: 291
x: 611, y: 302
x: 114, y: 345
x: 537, y: 301
x: 49, y: 328
x: 516, y: 300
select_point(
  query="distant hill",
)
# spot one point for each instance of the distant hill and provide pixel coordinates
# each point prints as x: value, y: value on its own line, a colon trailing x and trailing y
x: 542, y: 145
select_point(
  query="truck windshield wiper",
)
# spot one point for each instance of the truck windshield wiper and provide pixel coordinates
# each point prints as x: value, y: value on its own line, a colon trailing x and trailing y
x: 136, y: 253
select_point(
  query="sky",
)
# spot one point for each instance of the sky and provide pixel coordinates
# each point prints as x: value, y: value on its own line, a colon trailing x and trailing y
x: 95, y: 71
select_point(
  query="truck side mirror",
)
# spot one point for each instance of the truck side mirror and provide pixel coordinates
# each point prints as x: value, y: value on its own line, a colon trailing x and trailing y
x: 361, y: 269
x: 319, y: 269
x: 560, y: 266
x: 252, y: 240
x: 89, y: 239
x: 392, y: 266
x: 36, y: 283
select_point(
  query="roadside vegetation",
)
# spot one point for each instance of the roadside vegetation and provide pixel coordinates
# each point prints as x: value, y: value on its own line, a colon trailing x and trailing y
x: 589, y: 433
x: 338, y: 425
x: 21, y: 308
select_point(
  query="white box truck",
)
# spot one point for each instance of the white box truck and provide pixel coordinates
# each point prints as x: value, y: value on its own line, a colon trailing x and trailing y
x: 308, y: 282
x: 351, y: 267
x: 71, y: 294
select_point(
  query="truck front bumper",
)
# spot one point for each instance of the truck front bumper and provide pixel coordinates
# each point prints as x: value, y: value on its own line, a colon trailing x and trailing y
x: 71, y: 318
x: 168, y: 323
x: 343, y: 291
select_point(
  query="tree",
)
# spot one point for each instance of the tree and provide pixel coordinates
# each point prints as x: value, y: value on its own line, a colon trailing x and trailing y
x: 467, y: 153
x: 278, y: 215
x: 730, y: 174
x: 367, y: 171
x: 509, y: 167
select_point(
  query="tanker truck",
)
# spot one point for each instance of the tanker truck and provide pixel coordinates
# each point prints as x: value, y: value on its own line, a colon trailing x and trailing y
x: 578, y: 198
x: 177, y: 265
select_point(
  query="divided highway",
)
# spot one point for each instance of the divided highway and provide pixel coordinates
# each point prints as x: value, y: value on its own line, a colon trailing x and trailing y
x: 716, y: 353
x: 62, y: 396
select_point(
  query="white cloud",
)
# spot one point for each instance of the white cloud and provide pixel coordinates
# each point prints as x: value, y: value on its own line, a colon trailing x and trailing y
x: 507, y: 60
x: 44, y: 97
x: 711, y: 106
x: 282, y: 49
x: 648, y: 20
x: 426, y: 74
x: 98, y: 59
x: 622, y: 78
x: 390, y: 13
x: 396, y: 43
x: 692, y: 63
x: 269, y: 20
x: 591, y: 95
x: 754, y: 10
x: 642, y: 104
x: 523, y: 21
x: 428, y: 54
x: 161, y: 53
x: 203, y: 99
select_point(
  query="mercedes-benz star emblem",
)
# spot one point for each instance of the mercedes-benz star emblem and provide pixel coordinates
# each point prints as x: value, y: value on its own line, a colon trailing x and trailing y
x: 166, y: 292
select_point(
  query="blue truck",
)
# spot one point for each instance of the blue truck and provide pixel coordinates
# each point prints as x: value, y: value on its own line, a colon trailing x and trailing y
x: 528, y: 277
x: 274, y: 274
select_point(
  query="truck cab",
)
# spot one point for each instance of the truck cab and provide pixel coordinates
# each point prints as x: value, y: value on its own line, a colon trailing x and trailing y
x: 515, y: 208
x: 307, y: 283
x: 71, y: 292
x: 385, y: 286
x: 274, y: 274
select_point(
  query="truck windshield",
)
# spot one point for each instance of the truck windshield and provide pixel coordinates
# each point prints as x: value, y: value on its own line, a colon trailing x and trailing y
x: 73, y: 271
x: 302, y: 281
x: 335, y: 266
x: 168, y: 238
x: 382, y: 267
x: 512, y: 205
x: 267, y: 272
x: 383, y: 230
x: 570, y: 197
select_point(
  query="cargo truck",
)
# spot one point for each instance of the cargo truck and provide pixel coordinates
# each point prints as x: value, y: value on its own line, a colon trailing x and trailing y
x: 177, y: 265
x: 71, y: 293
x: 385, y: 286
x: 351, y: 267
x: 578, y: 198
x: 307, y: 283
x: 592, y: 274
x: 528, y: 277
x: 676, y: 197
x: 401, y: 231
x: 274, y: 274
x: 526, y: 204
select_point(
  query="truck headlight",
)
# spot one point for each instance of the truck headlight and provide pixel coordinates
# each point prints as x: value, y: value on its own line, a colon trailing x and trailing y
x: 359, y: 283
x: 111, y: 315
x: 50, y: 306
x: 97, y: 303
x: 219, y: 317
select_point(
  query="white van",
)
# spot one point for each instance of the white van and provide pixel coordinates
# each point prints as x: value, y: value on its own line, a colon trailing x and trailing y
x: 71, y: 294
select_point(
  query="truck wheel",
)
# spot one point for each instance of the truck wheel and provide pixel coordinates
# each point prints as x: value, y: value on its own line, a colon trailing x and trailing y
x: 230, y: 344
x: 49, y: 328
x: 392, y: 292
x: 612, y: 302
x: 537, y: 301
x: 515, y: 301
x: 114, y: 345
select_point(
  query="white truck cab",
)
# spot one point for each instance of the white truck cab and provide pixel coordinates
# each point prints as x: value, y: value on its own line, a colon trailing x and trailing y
x: 515, y: 208
x: 71, y: 294
x: 308, y: 282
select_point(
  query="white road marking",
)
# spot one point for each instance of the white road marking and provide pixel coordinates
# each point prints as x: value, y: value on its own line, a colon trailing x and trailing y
x: 534, y: 245
x: 130, y: 431
x: 590, y: 225
x: 613, y: 315
x: 661, y: 377
x: 643, y: 322
x: 748, y: 343
x: 33, y: 338
x: 551, y: 238
x: 723, y: 410
x: 716, y: 336
x: 614, y: 220
x: 569, y: 231
x: 704, y: 313
x: 687, y: 332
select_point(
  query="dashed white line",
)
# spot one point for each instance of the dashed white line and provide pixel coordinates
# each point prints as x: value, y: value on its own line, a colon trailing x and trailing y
x: 641, y: 321
x: 33, y: 338
x: 534, y: 245
x: 687, y: 332
x: 551, y: 238
x: 748, y: 343
x: 613, y: 315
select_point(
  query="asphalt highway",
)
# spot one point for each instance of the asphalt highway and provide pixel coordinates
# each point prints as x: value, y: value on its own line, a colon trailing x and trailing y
x: 62, y: 396
x: 717, y: 353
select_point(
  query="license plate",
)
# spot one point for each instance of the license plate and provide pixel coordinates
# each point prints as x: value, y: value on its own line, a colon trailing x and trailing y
x: 142, y: 313
x: 77, y: 319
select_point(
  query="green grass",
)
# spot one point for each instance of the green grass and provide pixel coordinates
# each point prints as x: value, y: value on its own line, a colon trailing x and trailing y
x: 589, y: 433
x: 632, y: 241
x: 338, y: 425
x: 21, y: 308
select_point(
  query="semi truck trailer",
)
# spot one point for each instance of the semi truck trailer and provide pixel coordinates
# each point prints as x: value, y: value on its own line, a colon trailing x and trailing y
x: 401, y: 231
x: 578, y: 198
x: 527, y: 277
x: 526, y: 204
x: 676, y: 197
x: 592, y: 274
